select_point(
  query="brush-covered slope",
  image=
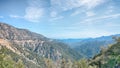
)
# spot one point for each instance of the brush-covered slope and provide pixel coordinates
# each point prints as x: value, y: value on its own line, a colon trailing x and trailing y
x: 9, y: 61
x: 11, y: 55
x: 32, y: 47
x: 108, y: 57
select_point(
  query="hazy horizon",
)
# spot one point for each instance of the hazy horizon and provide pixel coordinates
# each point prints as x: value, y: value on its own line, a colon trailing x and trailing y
x: 63, y: 19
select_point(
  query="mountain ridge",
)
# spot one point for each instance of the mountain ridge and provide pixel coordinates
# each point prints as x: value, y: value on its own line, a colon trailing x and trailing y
x: 34, y: 47
x: 90, y: 46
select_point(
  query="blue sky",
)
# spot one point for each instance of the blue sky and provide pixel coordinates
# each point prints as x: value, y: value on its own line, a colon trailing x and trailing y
x: 63, y: 18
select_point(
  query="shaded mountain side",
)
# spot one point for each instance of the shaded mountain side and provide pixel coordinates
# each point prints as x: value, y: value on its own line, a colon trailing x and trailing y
x: 108, y: 57
x: 24, y: 40
x: 91, y: 47
x: 70, y: 42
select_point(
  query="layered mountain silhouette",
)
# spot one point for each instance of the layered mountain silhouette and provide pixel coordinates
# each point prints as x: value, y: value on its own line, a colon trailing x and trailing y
x: 90, y: 46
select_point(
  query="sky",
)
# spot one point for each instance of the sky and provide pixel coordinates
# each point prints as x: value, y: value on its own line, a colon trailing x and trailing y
x: 63, y: 18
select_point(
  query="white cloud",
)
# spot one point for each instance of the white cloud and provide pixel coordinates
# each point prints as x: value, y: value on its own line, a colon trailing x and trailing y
x: 91, y: 3
x: 53, y: 14
x: 90, y: 13
x: 33, y: 14
x: 56, y: 18
x: 112, y: 24
x: 38, y: 3
x: 35, y: 10
x: 15, y: 16
x: 110, y: 9
x: 70, y: 4
x: 90, y: 20
x: 77, y: 12
x: 82, y: 5
x: 1, y: 17
x: 64, y: 5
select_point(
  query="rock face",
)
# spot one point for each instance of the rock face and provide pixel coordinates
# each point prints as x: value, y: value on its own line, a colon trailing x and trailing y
x: 12, y: 33
x: 36, y: 43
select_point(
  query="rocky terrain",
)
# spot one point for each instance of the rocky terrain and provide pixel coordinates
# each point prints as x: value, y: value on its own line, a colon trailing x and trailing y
x: 34, y: 47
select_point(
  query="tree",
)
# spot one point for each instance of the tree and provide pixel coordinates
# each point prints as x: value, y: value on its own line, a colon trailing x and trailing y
x: 69, y: 64
x: 7, y: 62
x: 63, y: 63
x: 81, y: 64
x: 49, y: 63
x: 19, y: 64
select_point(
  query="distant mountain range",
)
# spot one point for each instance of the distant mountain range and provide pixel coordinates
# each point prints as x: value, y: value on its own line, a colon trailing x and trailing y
x: 89, y: 46
x: 32, y: 48
x: 22, y: 48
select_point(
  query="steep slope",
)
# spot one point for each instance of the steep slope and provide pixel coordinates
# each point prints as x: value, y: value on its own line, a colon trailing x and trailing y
x: 11, y: 33
x: 16, y: 54
x: 7, y: 61
x: 108, y: 57
x: 33, y: 47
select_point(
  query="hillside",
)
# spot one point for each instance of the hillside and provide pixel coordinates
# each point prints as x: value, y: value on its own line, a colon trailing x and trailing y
x: 7, y: 61
x: 108, y: 57
x: 11, y: 55
x: 33, y: 48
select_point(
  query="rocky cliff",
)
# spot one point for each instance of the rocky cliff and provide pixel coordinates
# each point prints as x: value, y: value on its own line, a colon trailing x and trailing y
x: 31, y: 45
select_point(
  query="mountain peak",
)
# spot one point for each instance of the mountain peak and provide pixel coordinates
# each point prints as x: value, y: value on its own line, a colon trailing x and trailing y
x: 12, y: 33
x: 36, y: 43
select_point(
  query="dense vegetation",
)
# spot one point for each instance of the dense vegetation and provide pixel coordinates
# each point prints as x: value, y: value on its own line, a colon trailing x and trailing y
x: 7, y: 61
x: 108, y: 57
